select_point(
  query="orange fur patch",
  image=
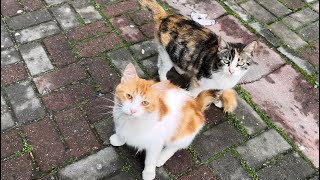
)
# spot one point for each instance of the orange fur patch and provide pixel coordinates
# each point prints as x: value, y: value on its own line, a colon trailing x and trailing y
x: 229, y: 99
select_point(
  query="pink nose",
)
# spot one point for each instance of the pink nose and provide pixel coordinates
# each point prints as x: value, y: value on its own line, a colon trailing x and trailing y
x: 231, y: 70
x: 132, y: 111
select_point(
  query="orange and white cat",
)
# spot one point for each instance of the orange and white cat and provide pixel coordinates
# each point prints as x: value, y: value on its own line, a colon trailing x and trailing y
x: 159, y: 117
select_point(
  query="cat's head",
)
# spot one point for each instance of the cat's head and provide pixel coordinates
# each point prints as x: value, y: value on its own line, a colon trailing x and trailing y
x: 235, y: 59
x: 137, y: 97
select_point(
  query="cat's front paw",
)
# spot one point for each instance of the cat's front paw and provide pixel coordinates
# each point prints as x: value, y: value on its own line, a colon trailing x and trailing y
x: 218, y: 104
x: 116, y: 141
x: 148, y: 175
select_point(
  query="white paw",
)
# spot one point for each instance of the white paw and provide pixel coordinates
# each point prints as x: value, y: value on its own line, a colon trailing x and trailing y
x: 160, y: 163
x: 218, y: 104
x: 148, y: 175
x: 163, y: 77
x: 115, y: 141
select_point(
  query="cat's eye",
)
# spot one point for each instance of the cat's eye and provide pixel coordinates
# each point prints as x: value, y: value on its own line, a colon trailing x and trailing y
x: 129, y: 96
x: 145, y: 103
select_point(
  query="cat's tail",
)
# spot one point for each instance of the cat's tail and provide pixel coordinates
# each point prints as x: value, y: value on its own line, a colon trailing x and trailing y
x: 228, y: 98
x: 158, y: 11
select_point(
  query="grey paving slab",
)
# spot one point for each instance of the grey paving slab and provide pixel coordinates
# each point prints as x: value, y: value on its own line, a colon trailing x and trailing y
x: 305, y: 15
x: 216, y: 139
x: 29, y: 19
x: 228, y: 168
x: 9, y: 56
x: 5, y: 37
x: 263, y: 147
x: 52, y: 2
x: 86, y: 10
x: 275, y: 7
x: 145, y: 49
x: 25, y: 103
x: 316, y: 6
x: 151, y: 65
x: 292, y: 22
x: 310, y: 32
x: 291, y: 166
x: 249, y: 118
x: 37, y: 32
x: 258, y: 12
x: 270, y: 37
x: 6, y: 117
x: 105, y: 129
x: 65, y: 16
x: 96, y: 166
x: 36, y: 58
x: 121, y: 58
x: 288, y: 36
x: 236, y: 8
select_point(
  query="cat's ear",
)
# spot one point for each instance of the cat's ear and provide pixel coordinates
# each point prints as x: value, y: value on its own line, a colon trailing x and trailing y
x: 161, y: 86
x: 129, y: 73
x: 222, y: 44
x: 250, y: 47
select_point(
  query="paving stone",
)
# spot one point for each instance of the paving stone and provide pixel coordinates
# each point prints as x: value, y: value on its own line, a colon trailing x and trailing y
x: 161, y: 174
x: 316, y: 6
x: 216, y: 139
x: 29, y: 19
x: 5, y: 37
x: 142, y: 17
x: 96, y: 166
x: 120, y: 8
x: 275, y: 41
x: 290, y: 167
x: 13, y: 73
x: 11, y: 143
x: 262, y: 148
x: 59, y: 50
x: 249, y: 118
x: 305, y: 65
x: 288, y: 36
x: 294, y: 107
x: 76, y: 132
x: 32, y: 5
x: 134, y: 158
x: 121, y: 58
x: 65, y: 16
x: 25, y: 103
x: 86, y: 11
x: 99, y: 45
x: 48, y: 150
x: 293, y: 4
x: 10, y: 8
x: 52, y: 2
x: 36, y: 58
x: 201, y: 173
x: 311, y: 54
x: 266, y: 60
x: 122, y: 176
x: 292, y: 22
x: 59, y: 78
x: 145, y: 49
x: 179, y: 162
x: 236, y: 8
x: 105, y: 129
x: 151, y: 65
x: 305, y: 16
x: 311, y: 32
x: 37, y: 32
x: 18, y: 168
x: 9, y: 56
x: 229, y: 168
x: 258, y: 12
x: 315, y: 177
x: 48, y: 177
x: 6, y: 117
x: 99, y: 107
x: 185, y: 7
x: 102, y: 73
x: 275, y: 7
x: 215, y: 116
x: 128, y: 29
x: 310, y: 1
x: 59, y: 100
x: 88, y: 31
x: 148, y: 30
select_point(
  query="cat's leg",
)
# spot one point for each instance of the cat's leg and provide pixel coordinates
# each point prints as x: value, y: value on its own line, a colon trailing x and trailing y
x: 115, y: 140
x: 152, y: 154
x: 166, y: 154
x: 164, y: 63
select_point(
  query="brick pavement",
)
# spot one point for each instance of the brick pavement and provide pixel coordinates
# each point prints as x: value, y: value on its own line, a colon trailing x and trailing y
x: 60, y: 61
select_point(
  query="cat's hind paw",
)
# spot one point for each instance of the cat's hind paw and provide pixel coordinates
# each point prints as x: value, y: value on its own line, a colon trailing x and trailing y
x: 148, y: 175
x: 116, y: 141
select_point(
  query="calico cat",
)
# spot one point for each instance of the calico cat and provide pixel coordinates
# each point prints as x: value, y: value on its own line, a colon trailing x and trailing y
x: 197, y: 52
x: 159, y: 117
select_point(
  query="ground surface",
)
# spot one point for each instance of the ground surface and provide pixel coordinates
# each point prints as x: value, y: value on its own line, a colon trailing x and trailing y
x: 61, y: 59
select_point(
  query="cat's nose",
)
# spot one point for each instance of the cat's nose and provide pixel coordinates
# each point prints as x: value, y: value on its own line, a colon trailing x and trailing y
x: 132, y: 111
x: 231, y: 71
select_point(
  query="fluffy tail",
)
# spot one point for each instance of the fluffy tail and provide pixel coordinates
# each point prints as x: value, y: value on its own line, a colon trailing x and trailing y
x: 158, y: 11
x: 228, y: 98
